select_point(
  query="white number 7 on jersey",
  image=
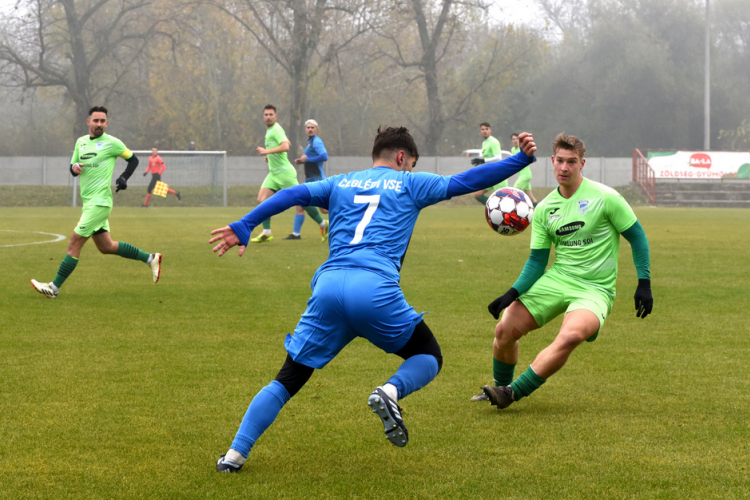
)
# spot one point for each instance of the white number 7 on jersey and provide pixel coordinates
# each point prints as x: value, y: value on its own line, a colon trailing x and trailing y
x: 360, y: 231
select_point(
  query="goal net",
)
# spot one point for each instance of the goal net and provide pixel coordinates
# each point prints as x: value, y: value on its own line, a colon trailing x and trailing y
x: 200, y: 176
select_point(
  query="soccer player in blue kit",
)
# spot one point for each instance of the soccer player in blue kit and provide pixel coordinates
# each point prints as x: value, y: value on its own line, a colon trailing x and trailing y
x: 356, y: 292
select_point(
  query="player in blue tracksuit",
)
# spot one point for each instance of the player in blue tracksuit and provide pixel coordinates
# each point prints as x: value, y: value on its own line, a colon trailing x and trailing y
x: 314, y: 156
x: 356, y: 292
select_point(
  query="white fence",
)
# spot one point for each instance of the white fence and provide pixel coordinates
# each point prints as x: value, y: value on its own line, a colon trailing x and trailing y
x: 251, y: 170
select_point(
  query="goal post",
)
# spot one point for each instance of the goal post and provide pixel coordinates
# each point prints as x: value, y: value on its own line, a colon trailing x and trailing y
x: 201, y: 176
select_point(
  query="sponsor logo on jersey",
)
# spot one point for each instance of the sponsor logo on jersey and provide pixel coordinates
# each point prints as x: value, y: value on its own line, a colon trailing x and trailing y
x: 583, y: 206
x: 576, y: 243
x: 570, y: 228
x: 88, y: 156
x: 553, y: 215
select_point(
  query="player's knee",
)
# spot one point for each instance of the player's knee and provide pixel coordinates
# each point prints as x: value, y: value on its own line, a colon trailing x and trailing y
x: 293, y: 376
x: 570, y: 339
x: 422, y: 341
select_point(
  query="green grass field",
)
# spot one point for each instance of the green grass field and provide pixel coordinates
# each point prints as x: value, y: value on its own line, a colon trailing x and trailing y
x: 120, y: 388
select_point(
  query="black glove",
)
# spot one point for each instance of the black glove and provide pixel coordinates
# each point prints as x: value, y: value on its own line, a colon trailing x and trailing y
x: 145, y: 174
x: 477, y: 161
x: 502, y: 302
x: 121, y: 184
x: 644, y: 301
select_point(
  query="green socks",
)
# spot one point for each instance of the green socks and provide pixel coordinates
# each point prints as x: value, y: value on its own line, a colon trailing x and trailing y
x: 314, y: 213
x: 527, y: 383
x: 482, y: 199
x: 267, y: 224
x: 130, y: 252
x: 67, y: 266
x: 502, y: 373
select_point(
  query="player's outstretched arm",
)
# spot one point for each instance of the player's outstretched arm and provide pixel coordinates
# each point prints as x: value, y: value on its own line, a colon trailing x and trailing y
x: 532, y: 271
x: 226, y: 239
x: 489, y: 174
x: 644, y: 301
x: 283, y: 200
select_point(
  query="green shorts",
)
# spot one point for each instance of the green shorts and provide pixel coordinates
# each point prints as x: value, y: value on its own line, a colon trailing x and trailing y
x: 279, y: 181
x: 554, y: 294
x: 524, y: 180
x: 93, y: 219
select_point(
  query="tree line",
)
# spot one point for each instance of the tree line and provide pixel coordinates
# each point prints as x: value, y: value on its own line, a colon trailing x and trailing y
x: 619, y: 73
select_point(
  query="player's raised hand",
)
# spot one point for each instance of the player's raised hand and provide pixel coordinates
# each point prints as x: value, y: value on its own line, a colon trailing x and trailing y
x: 227, y: 239
x: 528, y: 146
x: 261, y: 151
x: 644, y: 301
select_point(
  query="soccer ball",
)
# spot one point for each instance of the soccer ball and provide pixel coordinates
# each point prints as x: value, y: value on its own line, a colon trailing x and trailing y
x: 509, y: 211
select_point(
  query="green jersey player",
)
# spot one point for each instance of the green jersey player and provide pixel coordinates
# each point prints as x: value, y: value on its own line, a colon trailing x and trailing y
x: 281, y: 173
x: 93, y: 160
x: 524, y: 176
x: 584, y: 220
x: 491, y: 151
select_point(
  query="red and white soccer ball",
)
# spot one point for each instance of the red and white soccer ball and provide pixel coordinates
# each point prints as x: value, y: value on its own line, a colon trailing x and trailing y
x: 509, y: 211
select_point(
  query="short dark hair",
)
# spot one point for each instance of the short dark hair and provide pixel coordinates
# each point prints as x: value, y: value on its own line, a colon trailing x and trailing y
x: 394, y: 139
x: 514, y: 134
x: 100, y: 109
x: 569, y: 142
x: 271, y: 106
x: 485, y: 124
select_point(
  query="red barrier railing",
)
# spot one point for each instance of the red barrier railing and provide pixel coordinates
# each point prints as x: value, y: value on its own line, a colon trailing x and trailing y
x: 644, y: 175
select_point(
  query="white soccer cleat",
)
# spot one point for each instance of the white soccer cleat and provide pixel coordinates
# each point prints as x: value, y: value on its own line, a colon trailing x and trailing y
x: 45, y: 289
x: 156, y: 266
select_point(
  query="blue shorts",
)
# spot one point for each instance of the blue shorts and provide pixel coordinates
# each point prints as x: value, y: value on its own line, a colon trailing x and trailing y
x: 350, y: 303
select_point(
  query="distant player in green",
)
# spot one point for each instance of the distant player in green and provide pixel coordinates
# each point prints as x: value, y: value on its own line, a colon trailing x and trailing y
x: 584, y: 220
x: 281, y: 173
x: 491, y: 151
x: 93, y: 160
x: 524, y: 176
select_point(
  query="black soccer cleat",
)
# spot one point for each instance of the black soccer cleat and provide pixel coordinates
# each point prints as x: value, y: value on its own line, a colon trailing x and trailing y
x: 294, y: 237
x: 226, y: 465
x: 390, y: 413
x: 502, y: 396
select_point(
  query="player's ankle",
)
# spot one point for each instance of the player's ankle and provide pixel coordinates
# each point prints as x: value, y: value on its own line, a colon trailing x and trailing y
x: 235, y: 456
x: 391, y: 391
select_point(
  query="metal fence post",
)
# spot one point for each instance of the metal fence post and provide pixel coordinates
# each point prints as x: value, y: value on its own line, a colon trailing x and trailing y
x: 225, y: 178
x: 44, y: 170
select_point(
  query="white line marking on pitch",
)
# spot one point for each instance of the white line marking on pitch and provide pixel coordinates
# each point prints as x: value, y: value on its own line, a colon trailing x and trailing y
x: 58, y: 237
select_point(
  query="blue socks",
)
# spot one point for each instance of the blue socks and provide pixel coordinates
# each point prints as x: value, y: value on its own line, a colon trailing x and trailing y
x: 261, y: 413
x: 298, y: 220
x: 414, y: 373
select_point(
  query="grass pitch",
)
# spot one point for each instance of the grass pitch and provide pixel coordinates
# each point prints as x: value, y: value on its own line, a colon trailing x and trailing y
x: 124, y: 389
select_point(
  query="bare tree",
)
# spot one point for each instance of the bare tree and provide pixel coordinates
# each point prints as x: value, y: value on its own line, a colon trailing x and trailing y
x: 85, y: 47
x: 444, y: 43
x: 292, y: 32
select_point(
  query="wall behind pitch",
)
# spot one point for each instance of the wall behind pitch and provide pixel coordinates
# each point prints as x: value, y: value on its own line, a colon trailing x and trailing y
x: 251, y: 170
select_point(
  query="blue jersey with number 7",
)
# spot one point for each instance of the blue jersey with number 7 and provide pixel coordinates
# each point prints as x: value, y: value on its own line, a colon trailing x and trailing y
x: 372, y: 214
